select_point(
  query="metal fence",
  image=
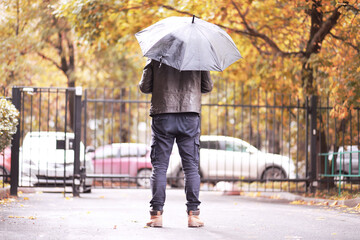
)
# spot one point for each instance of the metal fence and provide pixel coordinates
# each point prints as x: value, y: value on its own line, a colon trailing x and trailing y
x: 5, y: 155
x: 275, y: 125
x: 251, y: 140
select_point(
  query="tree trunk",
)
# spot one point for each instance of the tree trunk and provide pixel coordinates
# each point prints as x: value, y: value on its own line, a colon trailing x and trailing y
x: 319, y: 29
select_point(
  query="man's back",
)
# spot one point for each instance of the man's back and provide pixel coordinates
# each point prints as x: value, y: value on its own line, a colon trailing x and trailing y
x: 174, y: 91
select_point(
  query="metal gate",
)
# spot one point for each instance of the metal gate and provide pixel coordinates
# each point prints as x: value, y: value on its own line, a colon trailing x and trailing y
x: 47, y: 150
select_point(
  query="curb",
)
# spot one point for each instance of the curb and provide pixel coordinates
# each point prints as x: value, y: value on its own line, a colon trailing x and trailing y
x: 293, y: 197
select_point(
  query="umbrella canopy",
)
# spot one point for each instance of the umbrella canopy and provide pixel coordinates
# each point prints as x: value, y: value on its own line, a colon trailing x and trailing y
x: 187, y: 44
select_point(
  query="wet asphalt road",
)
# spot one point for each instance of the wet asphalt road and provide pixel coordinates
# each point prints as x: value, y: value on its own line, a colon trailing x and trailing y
x: 123, y: 213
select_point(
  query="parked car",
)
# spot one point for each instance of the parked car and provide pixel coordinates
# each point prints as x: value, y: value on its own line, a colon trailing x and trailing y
x: 131, y: 160
x: 5, y: 164
x: 346, y: 158
x: 223, y: 157
x: 47, y: 159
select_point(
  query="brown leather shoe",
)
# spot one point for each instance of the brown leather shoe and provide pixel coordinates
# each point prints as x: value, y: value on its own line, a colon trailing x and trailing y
x: 194, y: 220
x: 155, y: 219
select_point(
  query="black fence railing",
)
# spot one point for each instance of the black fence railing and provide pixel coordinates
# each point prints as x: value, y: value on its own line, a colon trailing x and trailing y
x: 5, y: 154
x: 252, y: 140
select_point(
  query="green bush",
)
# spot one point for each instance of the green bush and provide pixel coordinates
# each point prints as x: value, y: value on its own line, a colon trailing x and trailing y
x: 8, y: 121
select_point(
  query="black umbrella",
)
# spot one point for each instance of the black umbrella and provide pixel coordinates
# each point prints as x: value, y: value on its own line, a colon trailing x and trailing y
x: 188, y: 43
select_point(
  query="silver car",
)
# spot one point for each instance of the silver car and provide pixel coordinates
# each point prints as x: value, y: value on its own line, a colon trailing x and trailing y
x: 227, y: 158
x: 349, y: 157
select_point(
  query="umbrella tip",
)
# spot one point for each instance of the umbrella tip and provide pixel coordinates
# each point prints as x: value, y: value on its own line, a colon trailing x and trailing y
x: 193, y: 19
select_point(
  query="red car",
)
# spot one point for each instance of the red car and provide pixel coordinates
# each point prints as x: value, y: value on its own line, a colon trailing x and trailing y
x: 5, y: 163
x: 130, y: 160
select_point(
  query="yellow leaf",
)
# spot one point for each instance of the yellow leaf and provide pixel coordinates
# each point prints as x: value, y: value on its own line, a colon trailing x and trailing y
x: 298, y: 202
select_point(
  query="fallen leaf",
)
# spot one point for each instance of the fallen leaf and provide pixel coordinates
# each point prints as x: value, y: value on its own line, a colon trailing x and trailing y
x: 275, y: 197
x: 26, y: 198
x: 115, y: 226
x: 320, y: 218
x: 334, y: 203
x: 323, y: 204
x: 32, y: 218
x: 298, y: 202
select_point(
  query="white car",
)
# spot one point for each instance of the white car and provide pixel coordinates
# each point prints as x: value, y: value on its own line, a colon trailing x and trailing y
x: 346, y: 154
x: 226, y: 158
x: 47, y: 159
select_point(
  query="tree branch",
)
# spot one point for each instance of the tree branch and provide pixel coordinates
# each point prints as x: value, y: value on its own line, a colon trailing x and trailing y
x: 176, y: 10
x: 357, y: 48
x: 49, y: 59
x: 64, y: 66
x: 323, y: 30
x: 253, y: 33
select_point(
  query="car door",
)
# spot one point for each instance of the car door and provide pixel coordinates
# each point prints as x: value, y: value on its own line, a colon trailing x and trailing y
x: 106, y: 160
x: 237, y: 163
x: 212, y: 159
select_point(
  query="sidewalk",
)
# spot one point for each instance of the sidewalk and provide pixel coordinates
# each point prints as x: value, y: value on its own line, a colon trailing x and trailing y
x: 123, y: 213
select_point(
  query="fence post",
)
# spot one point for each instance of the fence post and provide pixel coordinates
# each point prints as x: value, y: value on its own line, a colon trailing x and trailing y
x: 313, y: 139
x: 15, y: 145
x: 77, y: 132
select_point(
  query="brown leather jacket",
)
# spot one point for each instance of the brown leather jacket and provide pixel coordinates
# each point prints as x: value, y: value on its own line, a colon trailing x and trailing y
x: 174, y: 91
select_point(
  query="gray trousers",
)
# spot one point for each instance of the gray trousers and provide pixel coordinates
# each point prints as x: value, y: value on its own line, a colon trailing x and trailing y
x: 185, y: 129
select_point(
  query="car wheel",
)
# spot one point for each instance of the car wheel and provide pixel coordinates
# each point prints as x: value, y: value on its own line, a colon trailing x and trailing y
x: 180, y: 182
x: 87, y: 189
x: 143, y: 177
x: 273, y: 173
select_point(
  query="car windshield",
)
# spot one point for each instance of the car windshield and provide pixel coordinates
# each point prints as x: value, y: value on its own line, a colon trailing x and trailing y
x: 233, y: 146
x: 227, y: 145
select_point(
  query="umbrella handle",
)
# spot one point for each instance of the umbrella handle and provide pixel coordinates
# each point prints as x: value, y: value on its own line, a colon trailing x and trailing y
x: 193, y: 19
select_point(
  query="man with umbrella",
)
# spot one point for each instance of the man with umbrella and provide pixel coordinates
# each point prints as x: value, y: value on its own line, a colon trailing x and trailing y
x: 181, y: 53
